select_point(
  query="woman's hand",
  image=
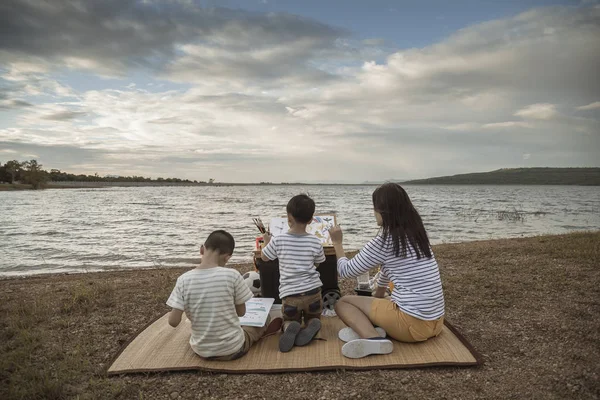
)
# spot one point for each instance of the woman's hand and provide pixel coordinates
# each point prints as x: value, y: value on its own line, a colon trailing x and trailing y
x: 380, y: 292
x: 336, y: 235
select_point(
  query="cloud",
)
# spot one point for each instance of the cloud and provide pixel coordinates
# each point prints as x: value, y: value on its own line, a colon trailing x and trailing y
x: 464, y: 127
x: 592, y: 106
x: 538, y: 111
x: 467, y: 82
x: 46, y: 116
x: 151, y: 35
x: 374, y: 42
x: 130, y: 32
x: 476, y: 100
x: 22, y: 79
x: 498, y: 58
x: 60, y: 157
x: 507, y: 124
x: 13, y: 103
x: 64, y: 115
x: 236, y: 69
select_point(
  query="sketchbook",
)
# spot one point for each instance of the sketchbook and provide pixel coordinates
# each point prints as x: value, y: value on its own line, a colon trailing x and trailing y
x: 257, y: 311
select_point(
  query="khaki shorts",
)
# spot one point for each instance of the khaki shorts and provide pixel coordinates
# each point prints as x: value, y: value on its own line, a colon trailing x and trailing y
x: 299, y: 306
x: 401, y: 326
x: 251, y: 335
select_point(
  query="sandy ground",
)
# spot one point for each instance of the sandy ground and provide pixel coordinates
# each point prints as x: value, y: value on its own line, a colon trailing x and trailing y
x: 530, y: 306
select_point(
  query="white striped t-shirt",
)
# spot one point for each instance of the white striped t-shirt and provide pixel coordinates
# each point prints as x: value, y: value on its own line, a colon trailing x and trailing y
x: 208, y: 297
x: 417, y: 284
x: 297, y: 254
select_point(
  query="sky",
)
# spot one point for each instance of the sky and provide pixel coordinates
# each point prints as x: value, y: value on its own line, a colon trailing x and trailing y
x: 299, y: 91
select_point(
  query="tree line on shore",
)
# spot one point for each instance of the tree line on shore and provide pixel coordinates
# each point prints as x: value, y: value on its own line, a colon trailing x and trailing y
x: 31, y: 173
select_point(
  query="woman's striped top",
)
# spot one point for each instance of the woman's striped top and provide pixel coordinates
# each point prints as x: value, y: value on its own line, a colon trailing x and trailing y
x: 417, y: 284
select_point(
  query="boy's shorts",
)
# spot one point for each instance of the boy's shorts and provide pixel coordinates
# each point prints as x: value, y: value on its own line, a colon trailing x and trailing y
x: 308, y: 305
x: 252, y: 334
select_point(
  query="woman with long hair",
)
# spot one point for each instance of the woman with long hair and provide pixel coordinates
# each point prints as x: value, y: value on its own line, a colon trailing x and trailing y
x: 415, y: 311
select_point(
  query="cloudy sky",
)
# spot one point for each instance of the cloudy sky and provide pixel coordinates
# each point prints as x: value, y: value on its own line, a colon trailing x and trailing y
x: 274, y: 90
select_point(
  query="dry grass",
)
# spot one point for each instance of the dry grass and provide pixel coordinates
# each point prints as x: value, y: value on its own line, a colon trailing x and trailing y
x: 529, y: 305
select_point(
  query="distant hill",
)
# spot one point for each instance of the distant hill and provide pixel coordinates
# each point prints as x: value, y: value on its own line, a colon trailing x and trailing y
x: 520, y: 176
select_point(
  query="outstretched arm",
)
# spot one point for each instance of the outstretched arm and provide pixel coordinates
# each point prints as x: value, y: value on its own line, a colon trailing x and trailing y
x: 336, y: 238
x: 268, y: 253
x: 369, y: 257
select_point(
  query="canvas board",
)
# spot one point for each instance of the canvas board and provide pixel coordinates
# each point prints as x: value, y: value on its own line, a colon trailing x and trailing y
x: 319, y: 226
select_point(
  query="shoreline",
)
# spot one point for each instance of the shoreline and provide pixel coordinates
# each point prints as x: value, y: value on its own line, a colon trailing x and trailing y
x: 108, y: 271
x: 99, y: 185
x: 249, y: 264
x: 19, y: 187
x: 528, y: 305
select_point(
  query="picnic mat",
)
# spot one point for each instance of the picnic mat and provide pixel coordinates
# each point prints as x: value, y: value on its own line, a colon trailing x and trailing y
x: 159, y: 347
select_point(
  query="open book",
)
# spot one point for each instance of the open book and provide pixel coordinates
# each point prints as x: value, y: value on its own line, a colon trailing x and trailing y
x: 257, y: 311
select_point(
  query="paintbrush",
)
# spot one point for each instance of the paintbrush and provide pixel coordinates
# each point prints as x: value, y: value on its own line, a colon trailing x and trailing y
x: 259, y: 225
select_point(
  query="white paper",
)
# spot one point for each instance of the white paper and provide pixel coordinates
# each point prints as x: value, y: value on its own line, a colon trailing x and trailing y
x: 277, y: 226
x: 257, y: 311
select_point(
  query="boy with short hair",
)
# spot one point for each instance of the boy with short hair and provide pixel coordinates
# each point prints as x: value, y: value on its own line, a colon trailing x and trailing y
x: 213, y: 298
x: 299, y: 253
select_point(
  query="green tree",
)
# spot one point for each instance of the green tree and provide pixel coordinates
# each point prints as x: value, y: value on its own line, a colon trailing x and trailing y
x: 4, y: 175
x: 56, y: 175
x: 34, y: 174
x: 14, y: 169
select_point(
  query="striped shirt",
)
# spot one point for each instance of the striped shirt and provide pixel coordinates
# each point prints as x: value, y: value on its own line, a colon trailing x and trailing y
x: 417, y: 284
x: 297, y: 254
x: 208, y: 297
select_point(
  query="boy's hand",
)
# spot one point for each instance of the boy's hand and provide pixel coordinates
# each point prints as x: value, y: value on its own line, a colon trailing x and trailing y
x: 266, y: 238
x: 336, y: 235
x: 175, y: 317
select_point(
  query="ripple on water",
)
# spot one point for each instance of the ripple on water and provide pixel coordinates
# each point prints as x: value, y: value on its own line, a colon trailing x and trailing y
x: 82, y: 230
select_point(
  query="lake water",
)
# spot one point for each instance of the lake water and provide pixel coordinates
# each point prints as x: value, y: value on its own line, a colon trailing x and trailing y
x: 69, y: 230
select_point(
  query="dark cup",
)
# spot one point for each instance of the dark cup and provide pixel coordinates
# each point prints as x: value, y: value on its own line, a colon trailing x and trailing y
x: 363, y: 292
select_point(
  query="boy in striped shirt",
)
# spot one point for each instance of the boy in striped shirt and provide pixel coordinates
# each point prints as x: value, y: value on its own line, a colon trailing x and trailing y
x: 299, y: 253
x: 213, y: 298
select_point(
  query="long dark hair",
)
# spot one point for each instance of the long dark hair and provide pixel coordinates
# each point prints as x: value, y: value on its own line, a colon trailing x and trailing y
x: 401, y: 220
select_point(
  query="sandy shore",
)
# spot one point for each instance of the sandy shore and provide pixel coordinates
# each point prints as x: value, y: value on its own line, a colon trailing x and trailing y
x: 530, y: 306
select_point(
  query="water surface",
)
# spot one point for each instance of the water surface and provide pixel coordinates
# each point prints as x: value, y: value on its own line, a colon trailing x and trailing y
x: 98, y: 229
